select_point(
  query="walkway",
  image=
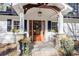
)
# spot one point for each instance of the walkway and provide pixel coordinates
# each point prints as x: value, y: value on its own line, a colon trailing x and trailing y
x: 44, y: 49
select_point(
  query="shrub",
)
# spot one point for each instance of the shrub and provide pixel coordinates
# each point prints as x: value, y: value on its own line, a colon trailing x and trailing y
x: 26, y: 50
x: 67, y: 45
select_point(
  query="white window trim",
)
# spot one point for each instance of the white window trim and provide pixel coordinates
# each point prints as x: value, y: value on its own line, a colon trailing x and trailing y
x: 12, y: 26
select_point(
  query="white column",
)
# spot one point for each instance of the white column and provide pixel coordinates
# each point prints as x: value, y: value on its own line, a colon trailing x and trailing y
x: 21, y: 22
x: 46, y: 30
x: 27, y: 28
x: 21, y: 15
x: 60, y: 23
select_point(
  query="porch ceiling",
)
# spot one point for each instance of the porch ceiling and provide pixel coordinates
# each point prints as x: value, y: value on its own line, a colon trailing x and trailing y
x: 46, y: 14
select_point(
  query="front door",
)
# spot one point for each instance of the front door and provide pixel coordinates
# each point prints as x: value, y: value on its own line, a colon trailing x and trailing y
x: 36, y: 30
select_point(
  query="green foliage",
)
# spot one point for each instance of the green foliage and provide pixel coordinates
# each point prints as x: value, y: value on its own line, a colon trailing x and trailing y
x: 15, y: 30
x: 26, y: 51
x: 53, y: 30
x: 67, y: 45
x: 26, y: 43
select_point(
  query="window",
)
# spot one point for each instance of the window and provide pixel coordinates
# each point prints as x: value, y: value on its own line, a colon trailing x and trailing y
x: 49, y: 25
x: 9, y: 25
x: 8, y: 9
x: 2, y: 7
x: 5, y: 6
x: 25, y: 25
x: 12, y: 24
x: 75, y: 12
x: 16, y: 25
x: 54, y: 26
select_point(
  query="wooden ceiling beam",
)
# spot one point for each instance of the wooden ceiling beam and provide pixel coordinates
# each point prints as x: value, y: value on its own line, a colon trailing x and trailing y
x: 28, y: 6
x: 39, y: 5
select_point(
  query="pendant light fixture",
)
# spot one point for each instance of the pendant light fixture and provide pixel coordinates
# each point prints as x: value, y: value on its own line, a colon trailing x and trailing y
x: 39, y: 13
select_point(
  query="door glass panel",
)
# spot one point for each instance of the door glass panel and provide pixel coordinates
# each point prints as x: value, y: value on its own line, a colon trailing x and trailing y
x: 36, y: 28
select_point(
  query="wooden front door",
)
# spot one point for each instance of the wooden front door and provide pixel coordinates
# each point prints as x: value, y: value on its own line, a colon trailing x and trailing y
x: 36, y: 30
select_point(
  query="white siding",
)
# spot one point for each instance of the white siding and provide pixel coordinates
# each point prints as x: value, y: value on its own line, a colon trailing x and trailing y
x: 3, y: 26
x: 72, y: 29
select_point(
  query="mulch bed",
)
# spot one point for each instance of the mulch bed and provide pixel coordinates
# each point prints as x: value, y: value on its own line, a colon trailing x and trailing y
x: 76, y: 45
x: 5, y: 49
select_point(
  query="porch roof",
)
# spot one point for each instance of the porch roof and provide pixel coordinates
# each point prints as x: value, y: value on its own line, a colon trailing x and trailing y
x: 23, y: 7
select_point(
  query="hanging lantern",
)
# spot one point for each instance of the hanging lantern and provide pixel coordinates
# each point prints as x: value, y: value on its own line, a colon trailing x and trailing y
x: 39, y: 13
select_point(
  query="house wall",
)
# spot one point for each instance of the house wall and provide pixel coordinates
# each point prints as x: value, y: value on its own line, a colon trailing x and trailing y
x: 71, y: 27
x: 6, y: 37
x: 3, y: 21
x: 71, y: 20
